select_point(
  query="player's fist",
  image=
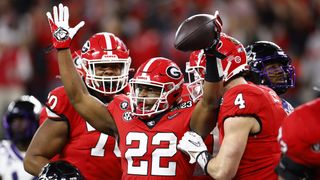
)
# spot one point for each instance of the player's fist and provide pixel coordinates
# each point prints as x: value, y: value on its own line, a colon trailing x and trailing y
x: 62, y: 34
x: 192, y: 144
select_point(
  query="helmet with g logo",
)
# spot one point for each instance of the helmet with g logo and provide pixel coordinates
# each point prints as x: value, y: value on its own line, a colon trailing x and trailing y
x: 160, y: 73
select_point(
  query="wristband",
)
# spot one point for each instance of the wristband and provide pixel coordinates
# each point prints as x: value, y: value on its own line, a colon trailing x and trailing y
x: 214, y: 71
x: 203, y: 159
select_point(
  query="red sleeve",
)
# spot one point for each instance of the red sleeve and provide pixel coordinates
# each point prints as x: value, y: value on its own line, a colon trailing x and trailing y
x: 58, y: 105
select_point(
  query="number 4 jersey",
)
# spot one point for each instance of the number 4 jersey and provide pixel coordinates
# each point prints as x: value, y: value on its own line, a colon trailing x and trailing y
x: 262, y: 152
x: 149, y: 148
x: 93, y: 153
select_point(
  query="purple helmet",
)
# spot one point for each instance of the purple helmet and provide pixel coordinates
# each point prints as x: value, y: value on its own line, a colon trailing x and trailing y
x: 26, y: 109
x: 270, y: 66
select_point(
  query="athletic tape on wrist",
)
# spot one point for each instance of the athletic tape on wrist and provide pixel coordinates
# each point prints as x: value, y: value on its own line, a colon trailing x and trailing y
x: 202, y: 159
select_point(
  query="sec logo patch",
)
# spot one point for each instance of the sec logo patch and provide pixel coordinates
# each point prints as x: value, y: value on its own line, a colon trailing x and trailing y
x: 127, y: 116
x: 124, y: 105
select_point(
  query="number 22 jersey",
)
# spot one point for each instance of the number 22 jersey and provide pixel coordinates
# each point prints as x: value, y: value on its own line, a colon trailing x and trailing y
x: 149, y: 148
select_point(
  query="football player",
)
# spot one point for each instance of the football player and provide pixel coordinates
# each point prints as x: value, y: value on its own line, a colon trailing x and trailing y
x: 271, y: 66
x: 149, y: 122
x: 299, y: 137
x: 248, y: 122
x: 104, y: 64
x: 20, y: 123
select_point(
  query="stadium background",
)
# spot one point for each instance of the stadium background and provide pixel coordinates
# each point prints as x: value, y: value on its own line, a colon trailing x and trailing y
x: 148, y: 28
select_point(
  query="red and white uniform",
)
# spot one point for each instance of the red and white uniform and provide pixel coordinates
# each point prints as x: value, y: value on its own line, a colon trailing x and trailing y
x: 262, y: 152
x: 149, y: 149
x: 300, y: 135
x: 95, y: 154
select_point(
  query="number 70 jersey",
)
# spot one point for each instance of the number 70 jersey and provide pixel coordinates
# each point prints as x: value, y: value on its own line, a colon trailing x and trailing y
x: 92, y: 152
x: 149, y: 150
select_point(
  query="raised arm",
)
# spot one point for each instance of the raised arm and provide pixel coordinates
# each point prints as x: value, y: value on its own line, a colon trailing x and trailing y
x: 205, y: 114
x: 90, y: 108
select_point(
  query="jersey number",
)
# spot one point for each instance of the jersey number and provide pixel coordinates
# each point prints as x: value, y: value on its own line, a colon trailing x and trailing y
x: 99, y: 149
x: 52, y: 101
x: 157, y: 154
x: 239, y: 101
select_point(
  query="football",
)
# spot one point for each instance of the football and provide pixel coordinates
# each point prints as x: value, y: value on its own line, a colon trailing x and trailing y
x: 196, y: 32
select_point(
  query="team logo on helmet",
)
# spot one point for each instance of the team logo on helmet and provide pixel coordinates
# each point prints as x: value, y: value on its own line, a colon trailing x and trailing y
x: 237, y: 59
x: 173, y: 72
x: 85, y: 47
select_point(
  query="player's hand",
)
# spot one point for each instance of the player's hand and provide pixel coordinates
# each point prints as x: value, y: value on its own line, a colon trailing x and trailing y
x: 214, y: 70
x: 217, y: 28
x: 192, y: 144
x: 212, y: 49
x: 62, y: 34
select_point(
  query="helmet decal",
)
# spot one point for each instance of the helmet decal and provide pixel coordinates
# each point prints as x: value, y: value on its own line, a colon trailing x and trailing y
x: 173, y: 72
x: 85, y: 47
x: 164, y: 78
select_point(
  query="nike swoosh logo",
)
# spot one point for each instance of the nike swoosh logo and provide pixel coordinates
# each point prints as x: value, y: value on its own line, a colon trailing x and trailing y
x: 173, y: 116
x: 195, y: 143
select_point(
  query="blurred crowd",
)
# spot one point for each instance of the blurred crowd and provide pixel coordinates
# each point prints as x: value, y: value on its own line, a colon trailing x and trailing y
x: 148, y: 28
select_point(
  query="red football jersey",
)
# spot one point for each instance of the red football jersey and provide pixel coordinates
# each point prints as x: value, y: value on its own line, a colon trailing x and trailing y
x: 43, y: 115
x: 300, y: 134
x: 262, y: 152
x: 93, y: 153
x: 149, y: 148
